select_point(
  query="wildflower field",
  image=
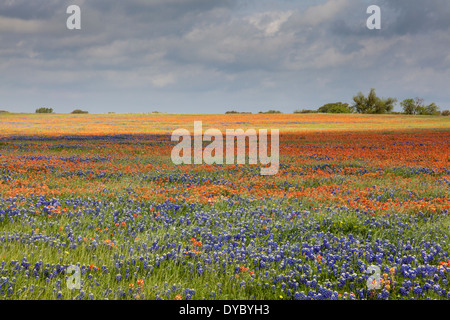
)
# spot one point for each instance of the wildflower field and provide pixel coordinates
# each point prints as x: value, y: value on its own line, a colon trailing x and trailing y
x: 100, y: 192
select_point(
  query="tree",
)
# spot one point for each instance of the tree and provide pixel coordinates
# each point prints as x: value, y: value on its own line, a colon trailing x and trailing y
x: 79, y: 111
x: 305, y: 111
x: 337, y: 107
x: 409, y: 106
x: 44, y: 110
x: 236, y: 112
x: 270, y: 111
x: 417, y: 106
x: 431, y: 109
x: 373, y: 104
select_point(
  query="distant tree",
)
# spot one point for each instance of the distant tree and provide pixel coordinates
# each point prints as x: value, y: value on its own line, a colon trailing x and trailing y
x: 270, y: 112
x: 44, y: 110
x: 4, y: 111
x: 236, y: 112
x: 409, y: 106
x: 417, y: 106
x: 373, y: 104
x: 431, y: 109
x: 337, y: 107
x: 445, y: 113
x: 79, y: 111
x: 305, y: 111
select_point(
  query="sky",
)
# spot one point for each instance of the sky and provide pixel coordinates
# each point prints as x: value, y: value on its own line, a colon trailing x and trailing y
x: 211, y: 56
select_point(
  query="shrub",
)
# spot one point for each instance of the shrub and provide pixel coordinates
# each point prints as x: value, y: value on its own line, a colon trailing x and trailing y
x: 4, y: 111
x: 44, y: 110
x: 337, y: 107
x: 237, y: 112
x: 305, y: 111
x: 78, y: 111
x: 270, y: 112
x: 445, y: 113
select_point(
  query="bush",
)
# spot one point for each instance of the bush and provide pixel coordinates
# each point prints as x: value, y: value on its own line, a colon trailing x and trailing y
x: 44, y: 110
x: 78, y: 111
x: 445, y: 113
x: 237, y: 112
x: 305, y: 111
x: 337, y: 107
x: 270, y: 112
x: 4, y: 111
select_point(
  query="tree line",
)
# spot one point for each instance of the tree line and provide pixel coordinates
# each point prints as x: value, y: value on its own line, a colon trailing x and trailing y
x: 372, y: 104
x: 50, y: 110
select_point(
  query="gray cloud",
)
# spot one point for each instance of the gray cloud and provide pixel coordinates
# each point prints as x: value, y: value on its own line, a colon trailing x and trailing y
x: 415, y: 16
x: 30, y: 10
x: 208, y: 55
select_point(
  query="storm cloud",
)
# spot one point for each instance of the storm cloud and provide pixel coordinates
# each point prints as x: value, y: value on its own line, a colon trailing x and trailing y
x: 213, y: 56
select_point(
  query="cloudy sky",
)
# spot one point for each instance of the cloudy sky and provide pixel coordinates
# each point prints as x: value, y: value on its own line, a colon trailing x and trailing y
x: 211, y: 56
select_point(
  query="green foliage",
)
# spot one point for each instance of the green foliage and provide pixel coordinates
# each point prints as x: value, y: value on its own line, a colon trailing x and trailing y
x: 417, y: 106
x: 44, y: 110
x: 305, y: 111
x: 373, y: 104
x: 79, y: 111
x: 409, y: 106
x: 431, y: 109
x: 445, y: 113
x: 337, y: 107
x: 270, y: 112
x: 237, y: 112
